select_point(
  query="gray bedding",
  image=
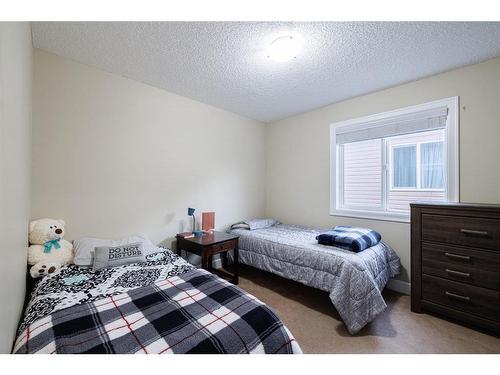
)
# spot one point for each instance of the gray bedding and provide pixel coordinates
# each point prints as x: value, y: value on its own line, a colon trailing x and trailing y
x: 354, y: 280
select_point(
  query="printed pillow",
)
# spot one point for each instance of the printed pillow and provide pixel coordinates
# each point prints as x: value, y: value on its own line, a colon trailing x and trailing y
x: 114, y: 256
x: 255, y: 224
x: 84, y: 247
x: 240, y: 226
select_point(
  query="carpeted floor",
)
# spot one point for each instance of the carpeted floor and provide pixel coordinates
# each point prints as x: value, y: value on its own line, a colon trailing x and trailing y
x: 311, y: 318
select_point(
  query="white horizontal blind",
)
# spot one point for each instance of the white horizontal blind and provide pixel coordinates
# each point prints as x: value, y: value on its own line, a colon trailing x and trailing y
x: 420, y: 121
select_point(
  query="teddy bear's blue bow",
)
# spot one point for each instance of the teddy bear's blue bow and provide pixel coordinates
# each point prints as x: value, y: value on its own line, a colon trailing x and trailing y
x: 48, y: 245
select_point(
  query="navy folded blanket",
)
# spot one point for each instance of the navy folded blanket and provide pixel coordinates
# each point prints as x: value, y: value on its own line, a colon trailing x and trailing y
x: 351, y: 238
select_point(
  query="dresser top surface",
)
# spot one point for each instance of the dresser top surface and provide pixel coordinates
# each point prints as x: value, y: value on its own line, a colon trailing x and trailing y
x: 457, y: 205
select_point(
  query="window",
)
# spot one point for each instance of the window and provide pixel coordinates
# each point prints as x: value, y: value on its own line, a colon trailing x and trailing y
x: 382, y: 163
x: 431, y: 165
x: 404, y: 168
x: 417, y: 161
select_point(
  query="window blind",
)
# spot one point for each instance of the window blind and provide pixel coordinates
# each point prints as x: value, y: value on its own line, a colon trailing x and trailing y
x: 399, y: 125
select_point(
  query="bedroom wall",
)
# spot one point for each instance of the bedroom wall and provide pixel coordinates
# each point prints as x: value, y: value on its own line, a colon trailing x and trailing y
x: 114, y: 157
x: 15, y: 171
x: 297, y: 149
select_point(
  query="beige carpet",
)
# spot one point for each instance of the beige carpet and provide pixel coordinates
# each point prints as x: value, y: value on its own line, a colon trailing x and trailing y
x: 311, y: 318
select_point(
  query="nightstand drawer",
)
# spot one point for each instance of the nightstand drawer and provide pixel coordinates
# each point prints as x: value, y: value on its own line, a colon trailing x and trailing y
x: 466, y: 231
x: 475, y: 267
x: 224, y: 246
x: 463, y: 297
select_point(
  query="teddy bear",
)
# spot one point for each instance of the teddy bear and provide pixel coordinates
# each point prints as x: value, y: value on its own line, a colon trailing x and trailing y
x: 48, y: 251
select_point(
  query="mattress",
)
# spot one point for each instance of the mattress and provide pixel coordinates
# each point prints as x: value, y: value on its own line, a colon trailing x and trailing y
x: 354, y: 281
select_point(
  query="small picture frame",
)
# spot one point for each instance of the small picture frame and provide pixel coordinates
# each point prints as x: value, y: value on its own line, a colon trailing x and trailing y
x: 208, y: 221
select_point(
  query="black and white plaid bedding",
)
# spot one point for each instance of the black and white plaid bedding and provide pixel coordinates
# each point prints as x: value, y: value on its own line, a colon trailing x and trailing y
x: 191, y: 312
x: 195, y: 312
x: 73, y: 285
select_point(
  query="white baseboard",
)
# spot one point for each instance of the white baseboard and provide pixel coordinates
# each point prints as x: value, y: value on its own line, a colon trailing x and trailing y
x: 399, y: 286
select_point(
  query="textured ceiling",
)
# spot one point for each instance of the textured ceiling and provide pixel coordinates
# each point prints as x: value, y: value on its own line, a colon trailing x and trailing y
x: 225, y: 63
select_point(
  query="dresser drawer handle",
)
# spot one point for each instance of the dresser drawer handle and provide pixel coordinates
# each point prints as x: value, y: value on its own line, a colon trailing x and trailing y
x: 458, y: 273
x: 456, y: 256
x: 481, y: 233
x: 457, y: 296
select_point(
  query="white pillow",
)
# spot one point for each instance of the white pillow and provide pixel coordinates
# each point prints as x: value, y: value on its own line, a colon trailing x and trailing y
x: 84, y: 247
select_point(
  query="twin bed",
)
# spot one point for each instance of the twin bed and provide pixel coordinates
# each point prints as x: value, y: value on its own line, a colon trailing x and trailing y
x: 163, y: 305
x: 354, y: 280
x: 166, y: 305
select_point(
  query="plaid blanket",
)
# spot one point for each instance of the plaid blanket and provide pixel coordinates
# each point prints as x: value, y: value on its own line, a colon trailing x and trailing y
x: 195, y: 312
x: 74, y: 285
x: 351, y: 238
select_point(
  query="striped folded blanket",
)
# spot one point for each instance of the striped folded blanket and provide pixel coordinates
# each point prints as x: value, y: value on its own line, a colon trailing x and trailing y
x: 352, y: 238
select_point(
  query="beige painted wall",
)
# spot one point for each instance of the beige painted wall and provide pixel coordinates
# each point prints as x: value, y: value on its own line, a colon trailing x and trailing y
x: 15, y: 170
x: 297, y: 149
x: 114, y: 157
x: 130, y: 158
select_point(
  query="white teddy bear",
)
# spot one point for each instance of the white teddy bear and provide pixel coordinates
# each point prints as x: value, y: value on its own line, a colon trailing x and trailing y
x: 48, y: 251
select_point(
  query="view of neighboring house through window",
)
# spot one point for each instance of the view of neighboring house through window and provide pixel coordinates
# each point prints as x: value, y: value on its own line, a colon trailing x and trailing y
x: 404, y: 168
x: 432, y: 167
x: 418, y: 166
x: 416, y: 169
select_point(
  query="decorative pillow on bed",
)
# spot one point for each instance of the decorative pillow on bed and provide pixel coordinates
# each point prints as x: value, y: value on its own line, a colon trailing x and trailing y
x: 240, y: 225
x: 354, y: 238
x: 84, y: 247
x: 255, y: 224
x: 114, y: 256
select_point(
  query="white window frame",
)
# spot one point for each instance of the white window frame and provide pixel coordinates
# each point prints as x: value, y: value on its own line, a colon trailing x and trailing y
x: 451, y: 159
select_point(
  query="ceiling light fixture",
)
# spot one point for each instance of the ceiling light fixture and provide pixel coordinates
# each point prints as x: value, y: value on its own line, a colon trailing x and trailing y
x: 284, y: 48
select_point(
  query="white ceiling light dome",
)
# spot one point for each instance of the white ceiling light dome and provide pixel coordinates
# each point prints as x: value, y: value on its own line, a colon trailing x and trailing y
x: 284, y: 48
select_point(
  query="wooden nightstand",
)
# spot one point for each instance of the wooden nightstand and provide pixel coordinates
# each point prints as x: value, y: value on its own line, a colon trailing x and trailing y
x: 207, y: 246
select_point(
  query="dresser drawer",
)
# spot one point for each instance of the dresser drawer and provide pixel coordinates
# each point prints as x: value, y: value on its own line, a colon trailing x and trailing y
x: 474, y: 300
x: 465, y: 231
x: 475, y: 267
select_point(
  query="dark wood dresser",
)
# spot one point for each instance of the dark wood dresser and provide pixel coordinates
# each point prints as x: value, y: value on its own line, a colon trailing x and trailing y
x: 455, y: 262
